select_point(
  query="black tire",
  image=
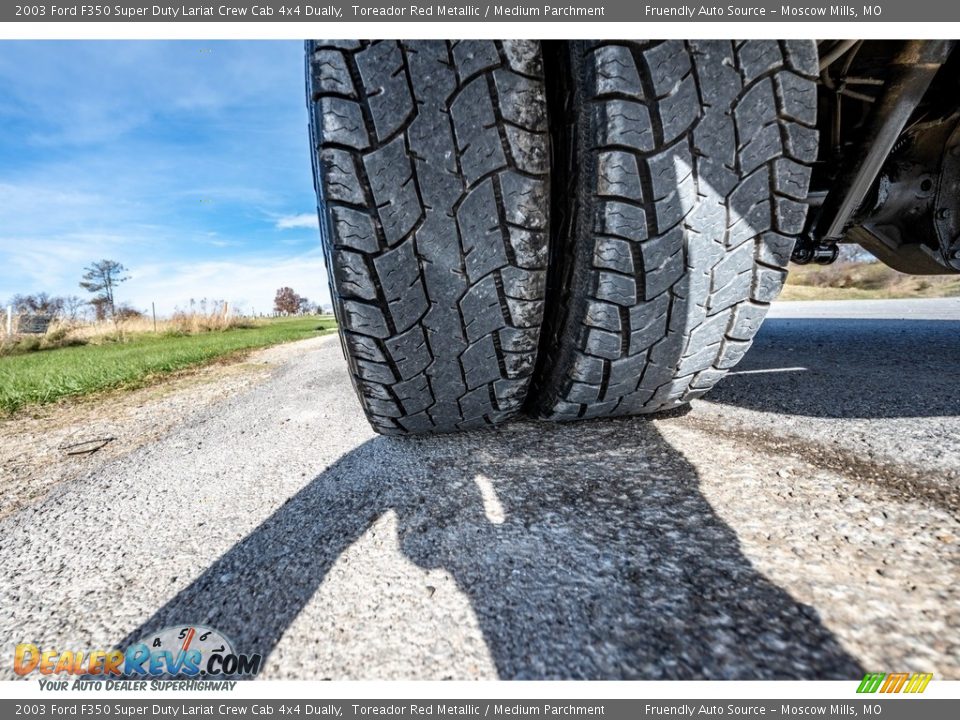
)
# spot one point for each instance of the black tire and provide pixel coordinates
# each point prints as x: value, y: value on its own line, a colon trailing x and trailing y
x: 431, y: 171
x: 688, y: 165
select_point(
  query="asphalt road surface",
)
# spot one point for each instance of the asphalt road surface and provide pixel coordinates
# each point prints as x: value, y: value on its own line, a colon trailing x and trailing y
x: 802, y: 522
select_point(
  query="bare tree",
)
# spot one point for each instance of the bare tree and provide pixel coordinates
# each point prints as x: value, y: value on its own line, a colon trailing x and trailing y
x: 100, y: 310
x: 39, y: 303
x: 286, y: 301
x: 125, y: 311
x: 73, y: 307
x: 101, y: 278
x: 850, y: 252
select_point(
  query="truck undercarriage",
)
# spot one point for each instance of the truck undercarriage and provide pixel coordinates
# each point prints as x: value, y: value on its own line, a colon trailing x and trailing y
x: 888, y: 173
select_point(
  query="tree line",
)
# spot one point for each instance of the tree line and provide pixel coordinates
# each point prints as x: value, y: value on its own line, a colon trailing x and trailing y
x: 288, y: 302
x: 101, y: 279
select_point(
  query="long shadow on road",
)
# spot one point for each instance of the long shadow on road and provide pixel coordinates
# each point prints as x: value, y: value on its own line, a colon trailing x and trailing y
x: 600, y: 558
x: 863, y: 368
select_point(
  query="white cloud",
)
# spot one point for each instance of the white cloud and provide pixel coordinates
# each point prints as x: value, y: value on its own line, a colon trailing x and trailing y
x: 192, y: 180
x: 302, y: 220
x: 249, y: 284
x: 54, y: 264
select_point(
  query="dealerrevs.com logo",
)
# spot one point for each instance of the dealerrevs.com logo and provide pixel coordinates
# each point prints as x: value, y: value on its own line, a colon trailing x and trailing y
x: 193, y: 652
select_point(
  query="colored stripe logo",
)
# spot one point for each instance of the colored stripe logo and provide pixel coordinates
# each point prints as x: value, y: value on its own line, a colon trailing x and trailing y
x: 894, y: 682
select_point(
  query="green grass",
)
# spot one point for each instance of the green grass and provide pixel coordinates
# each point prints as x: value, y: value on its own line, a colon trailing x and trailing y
x: 49, y: 375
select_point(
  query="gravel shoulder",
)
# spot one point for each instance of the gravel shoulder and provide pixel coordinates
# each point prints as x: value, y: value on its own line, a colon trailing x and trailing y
x: 43, y: 446
x: 715, y: 544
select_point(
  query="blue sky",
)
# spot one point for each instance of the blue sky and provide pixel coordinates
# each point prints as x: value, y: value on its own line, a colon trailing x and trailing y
x: 186, y: 161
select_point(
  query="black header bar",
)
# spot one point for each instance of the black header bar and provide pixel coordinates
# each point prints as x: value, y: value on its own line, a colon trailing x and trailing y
x: 617, y: 11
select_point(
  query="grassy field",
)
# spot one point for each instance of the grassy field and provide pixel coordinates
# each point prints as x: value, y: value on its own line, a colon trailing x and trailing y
x: 863, y: 281
x: 48, y: 375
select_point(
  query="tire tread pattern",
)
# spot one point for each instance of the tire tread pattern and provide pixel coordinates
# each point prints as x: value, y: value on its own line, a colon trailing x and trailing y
x: 692, y: 162
x: 431, y: 172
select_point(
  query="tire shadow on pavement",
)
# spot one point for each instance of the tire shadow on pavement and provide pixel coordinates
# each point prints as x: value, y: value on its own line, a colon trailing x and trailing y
x: 848, y: 368
x: 587, y: 552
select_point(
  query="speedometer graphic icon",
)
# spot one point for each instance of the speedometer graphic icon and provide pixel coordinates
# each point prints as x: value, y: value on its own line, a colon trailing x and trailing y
x: 185, y: 646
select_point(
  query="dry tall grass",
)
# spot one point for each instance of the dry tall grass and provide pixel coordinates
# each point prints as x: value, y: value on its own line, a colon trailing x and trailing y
x: 199, y: 318
x: 863, y: 280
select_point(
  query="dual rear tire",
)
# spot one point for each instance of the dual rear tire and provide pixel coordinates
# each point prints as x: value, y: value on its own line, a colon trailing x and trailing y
x: 468, y: 290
